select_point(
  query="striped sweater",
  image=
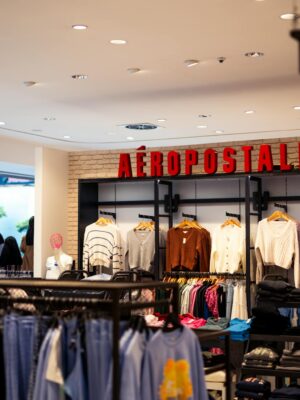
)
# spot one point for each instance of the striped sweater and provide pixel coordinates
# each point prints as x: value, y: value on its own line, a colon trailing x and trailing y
x: 102, y: 247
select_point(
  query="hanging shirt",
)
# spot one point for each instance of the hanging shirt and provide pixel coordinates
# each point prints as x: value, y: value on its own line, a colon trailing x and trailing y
x: 228, y: 250
x: 102, y: 247
x: 188, y: 249
x: 140, y: 249
x: 277, y: 244
x: 173, y: 367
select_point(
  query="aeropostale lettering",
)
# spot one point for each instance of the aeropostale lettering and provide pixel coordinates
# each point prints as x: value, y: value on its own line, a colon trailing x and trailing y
x: 176, y: 162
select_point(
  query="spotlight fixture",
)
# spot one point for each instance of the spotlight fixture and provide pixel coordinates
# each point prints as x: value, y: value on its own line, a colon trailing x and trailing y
x: 249, y: 112
x: 2, y: 123
x: 67, y: 137
x: 161, y: 120
x: 130, y: 138
x: 49, y: 118
x: 289, y: 16
x: 78, y: 27
x: 118, y: 41
x: 254, y: 54
x: 219, y: 131
x: 29, y: 83
x: 297, y: 108
x: 79, y: 77
x: 191, y: 63
x: 204, y: 115
x: 201, y: 126
x: 133, y: 70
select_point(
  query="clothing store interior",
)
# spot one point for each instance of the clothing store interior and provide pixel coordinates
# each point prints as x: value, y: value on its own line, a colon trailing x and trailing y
x: 150, y: 200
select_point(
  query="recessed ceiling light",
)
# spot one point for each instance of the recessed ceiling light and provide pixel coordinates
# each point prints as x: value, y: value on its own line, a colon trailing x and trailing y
x: 254, y: 54
x: 202, y: 126
x: 133, y: 70
x: 161, y: 120
x: 297, y: 108
x: 29, y: 83
x: 204, y: 115
x: 67, y: 137
x: 191, y: 63
x: 79, y: 77
x: 49, y: 118
x: 249, y: 112
x: 79, y: 27
x: 289, y: 16
x: 130, y: 138
x: 2, y: 123
x: 118, y: 41
x: 219, y: 131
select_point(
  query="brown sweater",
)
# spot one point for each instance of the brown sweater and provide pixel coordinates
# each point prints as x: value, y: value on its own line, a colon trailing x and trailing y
x: 188, y: 249
x: 28, y: 256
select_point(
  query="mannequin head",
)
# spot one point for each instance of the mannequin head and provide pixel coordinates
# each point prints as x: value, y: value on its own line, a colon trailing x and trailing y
x: 56, y: 241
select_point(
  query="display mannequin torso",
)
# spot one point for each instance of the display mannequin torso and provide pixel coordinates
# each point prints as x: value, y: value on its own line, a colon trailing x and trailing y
x: 60, y: 261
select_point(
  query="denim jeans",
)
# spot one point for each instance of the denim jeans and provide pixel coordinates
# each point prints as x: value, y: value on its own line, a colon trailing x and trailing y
x: 98, y: 336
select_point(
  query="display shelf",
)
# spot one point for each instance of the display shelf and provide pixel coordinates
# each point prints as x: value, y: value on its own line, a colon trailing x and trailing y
x: 270, y: 372
x: 274, y: 338
x: 214, y: 368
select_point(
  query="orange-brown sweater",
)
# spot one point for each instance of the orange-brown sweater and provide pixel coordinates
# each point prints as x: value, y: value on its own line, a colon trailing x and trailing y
x: 188, y: 249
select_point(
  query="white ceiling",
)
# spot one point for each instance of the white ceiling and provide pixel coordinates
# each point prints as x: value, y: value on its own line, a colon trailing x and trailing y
x: 38, y: 44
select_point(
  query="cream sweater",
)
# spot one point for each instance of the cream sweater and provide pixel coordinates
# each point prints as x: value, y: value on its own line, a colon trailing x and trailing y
x: 277, y: 244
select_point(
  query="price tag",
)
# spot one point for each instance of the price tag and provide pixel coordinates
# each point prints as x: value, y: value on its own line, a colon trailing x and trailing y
x: 184, y: 241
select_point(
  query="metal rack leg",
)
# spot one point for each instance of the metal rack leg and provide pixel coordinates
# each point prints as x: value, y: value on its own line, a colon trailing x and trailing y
x: 228, y: 368
x: 116, y: 336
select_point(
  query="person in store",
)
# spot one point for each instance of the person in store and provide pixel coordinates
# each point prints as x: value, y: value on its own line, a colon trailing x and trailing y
x: 60, y: 261
x: 1, y: 243
x: 10, y: 255
x: 27, y: 247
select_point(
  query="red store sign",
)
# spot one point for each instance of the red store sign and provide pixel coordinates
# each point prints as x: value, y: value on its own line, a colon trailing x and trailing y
x: 172, y: 163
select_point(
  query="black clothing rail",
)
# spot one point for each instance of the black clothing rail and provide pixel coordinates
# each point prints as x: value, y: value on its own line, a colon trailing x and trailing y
x: 115, y: 304
x: 238, y: 216
x: 192, y: 216
x: 195, y: 274
x: 112, y: 214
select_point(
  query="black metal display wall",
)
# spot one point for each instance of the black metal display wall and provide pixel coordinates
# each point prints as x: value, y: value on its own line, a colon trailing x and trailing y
x: 255, y: 201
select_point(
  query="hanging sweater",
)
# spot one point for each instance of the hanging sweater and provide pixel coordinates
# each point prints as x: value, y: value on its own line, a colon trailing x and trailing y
x: 102, y: 247
x: 277, y: 244
x: 188, y: 249
x: 228, y: 250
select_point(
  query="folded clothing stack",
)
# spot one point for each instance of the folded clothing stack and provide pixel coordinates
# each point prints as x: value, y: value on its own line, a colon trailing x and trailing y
x: 253, y: 388
x: 268, y: 320
x: 261, y: 357
x: 286, y: 393
x: 213, y: 356
x: 239, y: 330
x: 290, y: 359
x: 215, y: 324
x: 273, y: 291
x: 294, y: 295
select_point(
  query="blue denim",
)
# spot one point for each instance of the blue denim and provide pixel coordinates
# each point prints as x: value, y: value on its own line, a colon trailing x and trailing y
x: 229, y: 300
x: 40, y: 382
x: 68, y: 345
x: 75, y: 385
x: 98, y: 336
x: 18, y: 339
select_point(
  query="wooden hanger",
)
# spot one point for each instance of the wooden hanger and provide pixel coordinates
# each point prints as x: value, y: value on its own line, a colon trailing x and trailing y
x: 231, y: 221
x: 187, y: 224
x: 145, y: 226
x: 104, y: 221
x: 280, y: 215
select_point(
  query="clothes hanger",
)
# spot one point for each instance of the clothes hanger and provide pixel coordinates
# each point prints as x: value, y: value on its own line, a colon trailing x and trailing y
x: 231, y: 221
x: 104, y: 221
x: 187, y: 224
x: 173, y: 320
x: 280, y: 215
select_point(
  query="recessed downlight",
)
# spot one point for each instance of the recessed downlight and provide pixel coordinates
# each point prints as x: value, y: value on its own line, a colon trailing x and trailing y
x: 79, y: 77
x: 297, y: 108
x: 249, y: 112
x: 79, y: 27
x: 49, y: 118
x: 289, y: 16
x: 130, y: 138
x: 29, y: 83
x: 118, y: 41
x: 254, y: 54
x: 2, y: 123
x: 219, y: 131
x: 67, y: 137
x: 201, y: 126
x: 191, y: 63
x: 133, y: 70
x: 204, y: 115
x: 161, y: 120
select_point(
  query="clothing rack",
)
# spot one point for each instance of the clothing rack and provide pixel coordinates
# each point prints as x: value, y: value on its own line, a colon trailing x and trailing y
x: 192, y: 216
x: 112, y: 214
x: 194, y: 274
x: 147, y: 217
x: 238, y: 216
x: 114, y: 305
x: 283, y: 206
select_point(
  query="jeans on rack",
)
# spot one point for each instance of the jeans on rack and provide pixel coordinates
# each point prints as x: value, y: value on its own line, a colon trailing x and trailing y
x: 98, y: 336
x: 229, y: 300
x: 18, y: 338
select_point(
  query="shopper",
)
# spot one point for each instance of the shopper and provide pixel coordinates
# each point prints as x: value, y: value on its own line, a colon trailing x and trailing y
x: 27, y: 247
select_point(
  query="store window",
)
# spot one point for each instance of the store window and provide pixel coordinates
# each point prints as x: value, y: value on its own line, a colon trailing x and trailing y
x: 16, y: 204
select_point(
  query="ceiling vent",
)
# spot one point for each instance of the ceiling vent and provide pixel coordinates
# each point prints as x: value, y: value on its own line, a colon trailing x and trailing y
x: 142, y: 126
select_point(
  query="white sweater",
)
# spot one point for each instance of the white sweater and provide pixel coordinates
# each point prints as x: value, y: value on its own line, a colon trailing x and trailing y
x: 277, y: 244
x: 228, y: 250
